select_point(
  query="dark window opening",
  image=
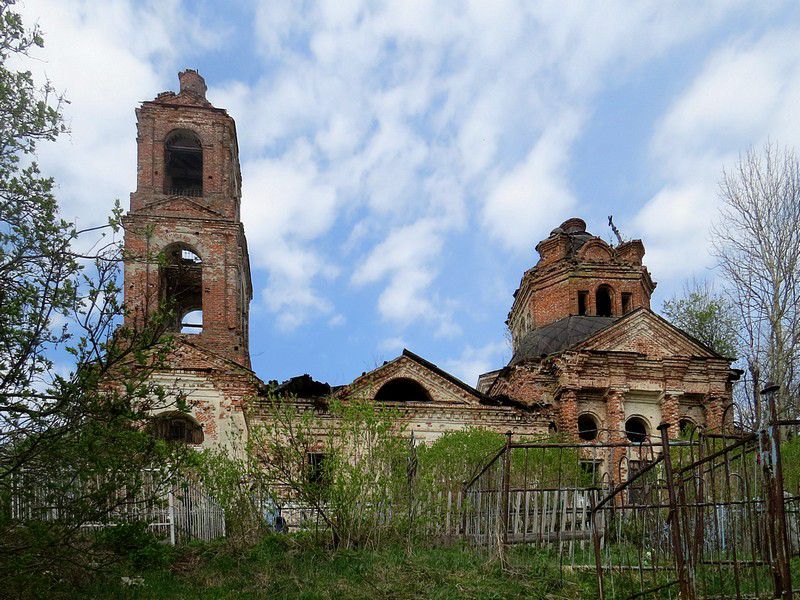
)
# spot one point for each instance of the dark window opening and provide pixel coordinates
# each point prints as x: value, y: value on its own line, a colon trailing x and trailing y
x: 183, y: 165
x: 552, y: 428
x: 636, y: 430
x: 402, y: 390
x: 686, y: 427
x: 316, y: 468
x: 587, y: 427
x: 602, y: 301
x: 626, y: 302
x: 182, y: 288
x: 177, y: 428
x: 582, y: 298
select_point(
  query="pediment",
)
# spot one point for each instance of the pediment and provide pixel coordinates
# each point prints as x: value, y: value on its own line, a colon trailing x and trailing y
x: 185, y: 206
x: 644, y: 332
x: 441, y: 387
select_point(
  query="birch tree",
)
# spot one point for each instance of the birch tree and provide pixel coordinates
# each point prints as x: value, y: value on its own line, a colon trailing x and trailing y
x: 756, y: 240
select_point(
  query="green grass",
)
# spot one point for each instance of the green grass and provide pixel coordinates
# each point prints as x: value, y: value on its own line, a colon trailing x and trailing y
x: 297, y: 567
x: 286, y: 567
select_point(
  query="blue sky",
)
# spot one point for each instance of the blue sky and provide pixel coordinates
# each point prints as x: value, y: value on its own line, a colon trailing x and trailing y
x: 401, y: 160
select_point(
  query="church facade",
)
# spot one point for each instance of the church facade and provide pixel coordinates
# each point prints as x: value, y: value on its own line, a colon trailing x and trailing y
x: 590, y: 359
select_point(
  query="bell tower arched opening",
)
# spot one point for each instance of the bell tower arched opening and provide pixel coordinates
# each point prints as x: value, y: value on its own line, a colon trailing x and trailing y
x: 603, y: 302
x: 181, y: 287
x: 183, y: 164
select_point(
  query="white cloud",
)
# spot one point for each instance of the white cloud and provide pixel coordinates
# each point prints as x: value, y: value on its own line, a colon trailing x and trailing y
x: 406, y: 121
x: 393, y: 345
x: 106, y: 58
x: 427, y: 111
x: 748, y: 91
x: 285, y: 206
x: 535, y: 194
x: 404, y: 260
x: 475, y: 361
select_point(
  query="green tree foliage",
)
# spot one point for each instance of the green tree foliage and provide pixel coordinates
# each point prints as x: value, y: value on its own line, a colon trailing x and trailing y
x: 71, y: 446
x: 348, y: 465
x: 706, y: 315
x: 368, y: 482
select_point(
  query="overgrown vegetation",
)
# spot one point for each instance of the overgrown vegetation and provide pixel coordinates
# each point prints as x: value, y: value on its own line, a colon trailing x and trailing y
x: 72, y: 450
x: 295, y: 567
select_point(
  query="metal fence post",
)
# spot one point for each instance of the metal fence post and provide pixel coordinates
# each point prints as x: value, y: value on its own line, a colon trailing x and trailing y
x: 598, y: 558
x: 505, y: 500
x: 773, y: 471
x: 684, y: 577
x: 171, y: 515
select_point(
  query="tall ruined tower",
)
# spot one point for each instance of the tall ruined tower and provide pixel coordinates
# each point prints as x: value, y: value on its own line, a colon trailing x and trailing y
x: 579, y: 274
x: 184, y: 241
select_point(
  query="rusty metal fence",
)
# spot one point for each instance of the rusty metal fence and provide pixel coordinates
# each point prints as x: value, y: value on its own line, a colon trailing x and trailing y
x: 708, y: 516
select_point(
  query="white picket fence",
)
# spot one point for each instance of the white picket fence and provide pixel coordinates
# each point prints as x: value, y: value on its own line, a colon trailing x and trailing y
x: 176, y: 510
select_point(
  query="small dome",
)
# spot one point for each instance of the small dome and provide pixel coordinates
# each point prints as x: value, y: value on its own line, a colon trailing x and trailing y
x: 556, y: 231
x: 573, y: 225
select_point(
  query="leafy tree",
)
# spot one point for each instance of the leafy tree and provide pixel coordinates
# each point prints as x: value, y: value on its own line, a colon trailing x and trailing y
x: 79, y: 421
x: 348, y: 466
x: 706, y: 315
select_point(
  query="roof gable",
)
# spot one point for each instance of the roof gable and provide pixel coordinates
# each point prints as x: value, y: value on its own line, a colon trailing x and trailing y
x: 439, y: 384
x: 644, y: 332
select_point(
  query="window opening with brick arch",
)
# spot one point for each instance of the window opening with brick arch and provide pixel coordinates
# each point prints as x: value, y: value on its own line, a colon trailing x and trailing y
x: 636, y: 430
x: 587, y: 427
x: 602, y: 301
x: 183, y: 164
x: 192, y: 322
x: 182, y: 287
x: 686, y: 427
x: 402, y: 389
x: 177, y: 427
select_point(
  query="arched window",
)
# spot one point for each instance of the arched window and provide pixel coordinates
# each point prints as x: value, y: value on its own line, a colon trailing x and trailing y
x: 402, y: 390
x: 177, y: 427
x: 182, y: 287
x: 192, y: 322
x: 183, y: 164
x: 587, y: 427
x: 686, y: 427
x: 636, y: 430
x: 602, y: 302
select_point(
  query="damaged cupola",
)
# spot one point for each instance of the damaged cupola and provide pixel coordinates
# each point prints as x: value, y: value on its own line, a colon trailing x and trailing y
x: 579, y: 274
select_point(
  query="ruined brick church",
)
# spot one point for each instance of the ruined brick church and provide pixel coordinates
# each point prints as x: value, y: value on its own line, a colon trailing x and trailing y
x: 590, y: 359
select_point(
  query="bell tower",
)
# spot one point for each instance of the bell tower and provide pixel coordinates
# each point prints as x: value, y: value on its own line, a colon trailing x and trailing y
x: 185, y: 248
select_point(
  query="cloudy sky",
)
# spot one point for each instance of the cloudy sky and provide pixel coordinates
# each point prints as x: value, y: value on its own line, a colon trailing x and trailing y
x: 401, y: 159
